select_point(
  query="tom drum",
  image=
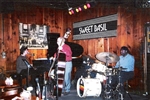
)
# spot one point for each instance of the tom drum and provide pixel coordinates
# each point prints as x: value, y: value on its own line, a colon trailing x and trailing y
x: 100, y: 68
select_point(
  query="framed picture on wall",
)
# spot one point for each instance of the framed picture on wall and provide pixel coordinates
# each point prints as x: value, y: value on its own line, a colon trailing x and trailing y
x: 34, y: 36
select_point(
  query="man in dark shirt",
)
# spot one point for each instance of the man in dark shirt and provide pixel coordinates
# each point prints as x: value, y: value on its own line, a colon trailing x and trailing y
x: 24, y: 69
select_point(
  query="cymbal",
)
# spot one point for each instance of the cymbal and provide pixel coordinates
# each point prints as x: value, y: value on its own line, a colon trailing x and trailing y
x: 107, y: 57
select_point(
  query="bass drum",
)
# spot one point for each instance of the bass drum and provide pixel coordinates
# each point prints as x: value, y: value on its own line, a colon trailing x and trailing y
x: 88, y: 87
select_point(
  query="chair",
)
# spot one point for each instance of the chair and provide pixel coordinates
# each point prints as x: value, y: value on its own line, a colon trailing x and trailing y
x: 126, y: 87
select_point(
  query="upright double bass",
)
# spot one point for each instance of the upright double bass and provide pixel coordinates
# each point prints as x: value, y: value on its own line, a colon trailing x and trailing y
x: 58, y: 73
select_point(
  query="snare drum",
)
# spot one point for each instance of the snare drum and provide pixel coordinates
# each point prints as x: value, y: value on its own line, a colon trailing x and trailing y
x: 88, y: 87
x: 100, y: 68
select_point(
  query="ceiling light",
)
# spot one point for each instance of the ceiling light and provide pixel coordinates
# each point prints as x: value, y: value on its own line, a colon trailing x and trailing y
x: 77, y: 10
x: 88, y: 5
x: 85, y: 7
x: 82, y: 7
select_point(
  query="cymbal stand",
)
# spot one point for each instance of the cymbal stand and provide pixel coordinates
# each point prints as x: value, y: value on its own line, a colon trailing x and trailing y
x: 108, y: 91
x: 118, y: 91
x: 107, y: 58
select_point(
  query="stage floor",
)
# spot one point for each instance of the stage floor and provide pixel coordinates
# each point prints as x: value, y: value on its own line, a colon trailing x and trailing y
x: 74, y: 96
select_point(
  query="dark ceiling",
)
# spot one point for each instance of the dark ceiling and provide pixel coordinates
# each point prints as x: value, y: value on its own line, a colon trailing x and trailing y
x: 66, y: 4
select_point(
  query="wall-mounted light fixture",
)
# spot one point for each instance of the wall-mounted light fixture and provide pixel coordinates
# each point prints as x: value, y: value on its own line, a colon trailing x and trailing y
x: 3, y: 54
x: 86, y: 6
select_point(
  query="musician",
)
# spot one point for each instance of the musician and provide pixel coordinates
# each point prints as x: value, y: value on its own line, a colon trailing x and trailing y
x: 62, y: 47
x: 125, y: 65
x: 22, y: 68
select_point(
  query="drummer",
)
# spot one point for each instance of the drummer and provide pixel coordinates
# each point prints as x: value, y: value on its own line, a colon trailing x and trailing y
x: 126, y: 65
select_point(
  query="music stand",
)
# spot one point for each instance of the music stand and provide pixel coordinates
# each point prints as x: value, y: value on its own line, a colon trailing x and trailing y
x: 28, y: 66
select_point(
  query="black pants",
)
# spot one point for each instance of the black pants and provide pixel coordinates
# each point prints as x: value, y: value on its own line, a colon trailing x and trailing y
x: 124, y: 76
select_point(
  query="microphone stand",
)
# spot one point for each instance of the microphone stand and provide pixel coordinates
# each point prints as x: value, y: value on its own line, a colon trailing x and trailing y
x: 55, y: 72
x: 28, y: 77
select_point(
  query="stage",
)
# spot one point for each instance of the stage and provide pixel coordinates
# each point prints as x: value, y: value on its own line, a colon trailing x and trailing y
x: 74, y: 96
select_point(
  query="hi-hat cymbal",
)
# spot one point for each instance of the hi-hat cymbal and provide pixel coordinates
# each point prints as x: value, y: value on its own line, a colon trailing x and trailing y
x: 107, y: 57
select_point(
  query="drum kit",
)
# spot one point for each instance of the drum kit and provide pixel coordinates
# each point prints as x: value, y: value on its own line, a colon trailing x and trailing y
x: 93, y: 86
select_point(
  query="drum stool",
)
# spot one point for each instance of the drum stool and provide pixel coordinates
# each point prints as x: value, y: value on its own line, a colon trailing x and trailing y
x: 126, y: 86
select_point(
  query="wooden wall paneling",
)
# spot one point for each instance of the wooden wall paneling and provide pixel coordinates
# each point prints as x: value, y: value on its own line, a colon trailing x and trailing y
x: 31, y: 15
x: 52, y: 20
x: 83, y: 44
x: 129, y: 32
x: 1, y: 30
x: 106, y: 46
x: 138, y: 35
x: 137, y: 48
x: 91, y: 49
x: 110, y: 42
x: 39, y: 16
x: 59, y: 23
x: 98, y: 46
x: 102, y: 8
x: 104, y: 11
x: 118, y: 39
x: 23, y: 16
x: 3, y: 61
x: 122, y: 35
x: 8, y: 40
x: 46, y: 16
x: 1, y: 39
x: 109, y: 46
x: 112, y: 45
x: 15, y: 38
x: 87, y: 46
